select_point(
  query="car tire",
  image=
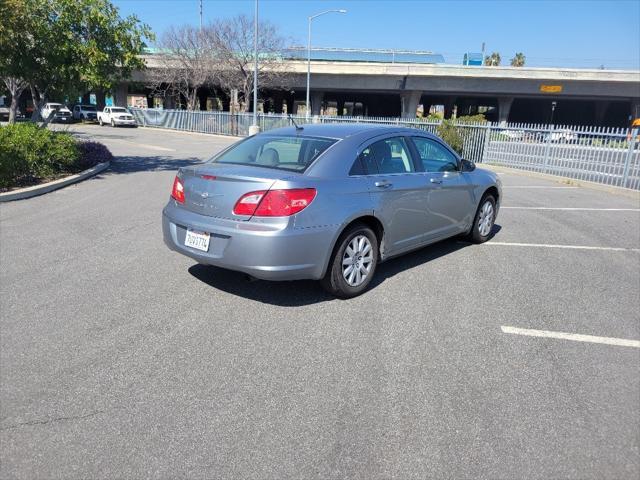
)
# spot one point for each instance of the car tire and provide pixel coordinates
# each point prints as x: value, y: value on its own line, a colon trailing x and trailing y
x: 338, y: 280
x: 483, y: 226
x: 100, y: 122
x: 113, y: 123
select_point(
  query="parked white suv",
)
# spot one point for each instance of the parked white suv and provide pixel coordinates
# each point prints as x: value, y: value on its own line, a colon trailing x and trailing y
x: 85, y: 112
x: 59, y: 112
x: 116, y: 116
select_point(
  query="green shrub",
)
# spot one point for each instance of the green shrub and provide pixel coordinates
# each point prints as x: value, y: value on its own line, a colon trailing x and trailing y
x: 455, y: 135
x: 451, y: 134
x: 29, y: 153
x: 479, y: 118
x: 92, y: 153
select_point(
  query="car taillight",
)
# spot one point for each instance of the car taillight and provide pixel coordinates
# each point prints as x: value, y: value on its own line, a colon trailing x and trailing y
x: 274, y: 203
x: 177, y: 192
x: 248, y: 203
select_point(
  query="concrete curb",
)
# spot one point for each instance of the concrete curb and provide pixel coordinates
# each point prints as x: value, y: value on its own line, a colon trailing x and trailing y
x: 36, y: 190
x: 625, y: 192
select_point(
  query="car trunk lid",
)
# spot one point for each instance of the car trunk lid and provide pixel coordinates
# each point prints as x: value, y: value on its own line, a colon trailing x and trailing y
x: 213, y: 190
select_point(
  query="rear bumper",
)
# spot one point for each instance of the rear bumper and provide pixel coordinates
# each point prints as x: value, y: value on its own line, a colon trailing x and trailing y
x: 268, y: 252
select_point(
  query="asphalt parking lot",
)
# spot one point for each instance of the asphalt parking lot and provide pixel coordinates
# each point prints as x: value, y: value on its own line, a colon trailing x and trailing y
x: 122, y: 359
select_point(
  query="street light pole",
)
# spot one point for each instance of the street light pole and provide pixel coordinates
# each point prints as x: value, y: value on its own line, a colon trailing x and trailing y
x: 308, y: 112
x: 254, y: 128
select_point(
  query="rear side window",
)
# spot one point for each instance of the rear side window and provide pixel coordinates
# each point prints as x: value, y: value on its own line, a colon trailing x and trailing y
x: 294, y: 153
x: 387, y: 156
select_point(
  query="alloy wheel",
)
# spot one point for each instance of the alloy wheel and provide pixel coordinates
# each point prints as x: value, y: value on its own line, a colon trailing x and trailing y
x: 357, y: 261
x: 485, y: 219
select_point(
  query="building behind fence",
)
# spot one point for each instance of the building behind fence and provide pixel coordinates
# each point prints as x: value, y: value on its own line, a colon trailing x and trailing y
x: 604, y: 155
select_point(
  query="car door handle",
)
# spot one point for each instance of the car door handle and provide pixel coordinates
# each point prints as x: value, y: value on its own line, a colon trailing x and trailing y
x: 383, y: 184
x: 436, y: 180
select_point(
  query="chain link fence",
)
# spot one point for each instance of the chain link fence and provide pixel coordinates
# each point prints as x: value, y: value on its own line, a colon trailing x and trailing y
x: 596, y: 154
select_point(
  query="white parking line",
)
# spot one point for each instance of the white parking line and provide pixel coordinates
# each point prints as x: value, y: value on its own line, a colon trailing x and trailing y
x: 570, y: 247
x: 576, y: 337
x: 152, y: 147
x: 142, y: 145
x: 585, y: 209
x: 540, y: 186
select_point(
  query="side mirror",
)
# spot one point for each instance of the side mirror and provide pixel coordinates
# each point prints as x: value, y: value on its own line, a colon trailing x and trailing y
x: 467, y: 165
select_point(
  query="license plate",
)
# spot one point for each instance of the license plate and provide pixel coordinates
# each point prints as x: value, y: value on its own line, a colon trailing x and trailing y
x: 197, y: 240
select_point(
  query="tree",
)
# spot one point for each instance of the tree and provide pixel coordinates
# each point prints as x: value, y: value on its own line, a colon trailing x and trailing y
x: 232, y: 46
x: 186, y: 62
x: 63, y: 47
x: 518, y: 60
x: 12, y: 45
x: 492, y: 60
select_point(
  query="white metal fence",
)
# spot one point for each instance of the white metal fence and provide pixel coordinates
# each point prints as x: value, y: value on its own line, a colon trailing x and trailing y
x: 603, y: 155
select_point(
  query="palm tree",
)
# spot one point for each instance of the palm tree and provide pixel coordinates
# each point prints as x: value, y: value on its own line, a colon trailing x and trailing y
x: 492, y: 60
x: 518, y: 60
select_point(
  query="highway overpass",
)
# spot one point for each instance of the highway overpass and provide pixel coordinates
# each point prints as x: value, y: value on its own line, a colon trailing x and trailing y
x: 520, y: 94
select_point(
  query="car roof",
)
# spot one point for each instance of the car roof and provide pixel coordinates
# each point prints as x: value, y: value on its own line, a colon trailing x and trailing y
x: 344, y: 130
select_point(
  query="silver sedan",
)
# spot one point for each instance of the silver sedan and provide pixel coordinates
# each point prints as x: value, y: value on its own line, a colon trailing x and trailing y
x: 327, y: 202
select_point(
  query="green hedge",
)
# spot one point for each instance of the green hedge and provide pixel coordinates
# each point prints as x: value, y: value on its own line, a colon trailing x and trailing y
x: 29, y: 154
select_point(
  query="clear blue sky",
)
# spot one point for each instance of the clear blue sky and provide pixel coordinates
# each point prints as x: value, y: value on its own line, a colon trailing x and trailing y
x: 549, y: 32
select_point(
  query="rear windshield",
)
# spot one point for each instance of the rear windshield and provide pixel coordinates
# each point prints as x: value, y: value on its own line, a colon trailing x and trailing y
x: 89, y: 108
x: 280, y: 152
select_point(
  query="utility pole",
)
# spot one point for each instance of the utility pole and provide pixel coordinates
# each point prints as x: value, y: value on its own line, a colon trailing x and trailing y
x: 200, y: 15
x: 255, y: 128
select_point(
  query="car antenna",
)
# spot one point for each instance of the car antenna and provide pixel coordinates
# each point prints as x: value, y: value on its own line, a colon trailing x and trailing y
x: 298, y: 127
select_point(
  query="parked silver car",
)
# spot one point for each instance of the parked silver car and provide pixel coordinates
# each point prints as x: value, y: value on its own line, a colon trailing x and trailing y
x: 327, y: 202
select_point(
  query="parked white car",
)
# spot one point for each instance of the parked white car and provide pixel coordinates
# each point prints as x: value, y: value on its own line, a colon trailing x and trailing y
x: 85, y: 112
x: 59, y: 112
x: 116, y: 116
x: 562, y: 136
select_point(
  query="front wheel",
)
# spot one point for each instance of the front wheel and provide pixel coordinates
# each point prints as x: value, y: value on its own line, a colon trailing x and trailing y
x: 353, y: 263
x: 113, y: 123
x: 101, y: 122
x: 484, y: 220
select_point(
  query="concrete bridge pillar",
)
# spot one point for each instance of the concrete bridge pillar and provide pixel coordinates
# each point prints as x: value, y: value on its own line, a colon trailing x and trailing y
x: 449, y: 103
x: 316, y: 102
x: 409, y: 103
x: 504, y: 107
